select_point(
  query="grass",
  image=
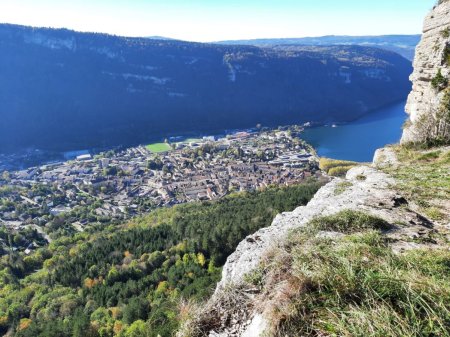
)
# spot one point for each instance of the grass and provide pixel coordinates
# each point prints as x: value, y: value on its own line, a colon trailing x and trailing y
x: 342, y: 187
x: 434, y: 213
x: 159, y: 147
x: 336, y: 168
x: 355, y: 285
x: 429, y: 156
x: 423, y: 178
x: 340, y: 171
x: 350, y: 285
x: 348, y: 221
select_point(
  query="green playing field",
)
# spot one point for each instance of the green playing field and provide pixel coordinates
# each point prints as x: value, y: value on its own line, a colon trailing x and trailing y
x: 159, y: 147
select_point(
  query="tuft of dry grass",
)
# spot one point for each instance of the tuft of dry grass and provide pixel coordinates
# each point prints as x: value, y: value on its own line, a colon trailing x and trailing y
x: 354, y: 285
x: 336, y: 168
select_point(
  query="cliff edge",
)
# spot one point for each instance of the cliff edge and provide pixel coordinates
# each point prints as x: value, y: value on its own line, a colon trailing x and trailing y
x: 255, y: 284
x: 429, y: 101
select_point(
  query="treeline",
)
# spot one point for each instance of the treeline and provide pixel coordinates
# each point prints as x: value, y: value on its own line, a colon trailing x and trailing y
x: 128, y: 281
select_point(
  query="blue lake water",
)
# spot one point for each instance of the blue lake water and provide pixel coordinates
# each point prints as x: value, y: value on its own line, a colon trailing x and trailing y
x: 358, y: 140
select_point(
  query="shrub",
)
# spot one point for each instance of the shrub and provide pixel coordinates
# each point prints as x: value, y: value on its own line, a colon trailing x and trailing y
x: 433, y: 127
x: 447, y: 52
x: 439, y: 82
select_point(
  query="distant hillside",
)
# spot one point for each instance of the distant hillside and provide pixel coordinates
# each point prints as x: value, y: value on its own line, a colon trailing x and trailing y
x: 157, y: 37
x: 402, y: 44
x: 63, y: 90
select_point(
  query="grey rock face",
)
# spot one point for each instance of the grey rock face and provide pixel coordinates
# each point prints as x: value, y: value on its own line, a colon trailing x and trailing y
x: 429, y: 59
x: 385, y: 157
x: 364, y: 189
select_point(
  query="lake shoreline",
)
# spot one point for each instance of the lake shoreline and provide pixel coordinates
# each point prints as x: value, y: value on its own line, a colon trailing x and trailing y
x: 24, y: 158
x: 359, y: 139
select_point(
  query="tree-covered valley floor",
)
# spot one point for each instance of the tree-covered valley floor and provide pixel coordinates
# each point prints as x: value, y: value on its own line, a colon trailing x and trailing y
x: 129, y: 280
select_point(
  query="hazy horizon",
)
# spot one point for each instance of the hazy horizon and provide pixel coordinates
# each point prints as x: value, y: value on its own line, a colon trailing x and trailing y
x: 213, y: 41
x: 219, y: 20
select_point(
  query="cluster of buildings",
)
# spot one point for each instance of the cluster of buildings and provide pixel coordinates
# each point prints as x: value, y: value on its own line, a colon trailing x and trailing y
x: 118, y: 185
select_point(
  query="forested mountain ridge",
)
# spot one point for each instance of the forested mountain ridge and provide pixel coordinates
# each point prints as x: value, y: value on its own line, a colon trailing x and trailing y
x: 404, y: 45
x: 65, y: 90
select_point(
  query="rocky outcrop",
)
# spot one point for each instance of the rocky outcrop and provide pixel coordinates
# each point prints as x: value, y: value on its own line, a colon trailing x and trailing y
x: 385, y: 157
x: 364, y: 188
x: 432, y: 56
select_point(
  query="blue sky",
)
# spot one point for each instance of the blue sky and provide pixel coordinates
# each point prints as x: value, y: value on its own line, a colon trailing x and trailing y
x: 213, y: 20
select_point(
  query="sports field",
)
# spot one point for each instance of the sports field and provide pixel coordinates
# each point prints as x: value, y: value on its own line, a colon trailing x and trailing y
x: 159, y: 147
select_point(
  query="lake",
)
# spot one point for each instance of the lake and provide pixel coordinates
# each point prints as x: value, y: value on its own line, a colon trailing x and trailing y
x: 358, y: 140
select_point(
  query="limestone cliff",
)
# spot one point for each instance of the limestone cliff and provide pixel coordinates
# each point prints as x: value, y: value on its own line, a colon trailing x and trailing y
x: 430, y: 77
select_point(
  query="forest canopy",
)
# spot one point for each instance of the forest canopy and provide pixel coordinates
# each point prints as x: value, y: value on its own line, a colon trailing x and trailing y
x: 128, y: 280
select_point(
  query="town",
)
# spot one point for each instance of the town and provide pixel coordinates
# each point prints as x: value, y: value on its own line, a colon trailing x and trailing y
x: 54, y: 199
